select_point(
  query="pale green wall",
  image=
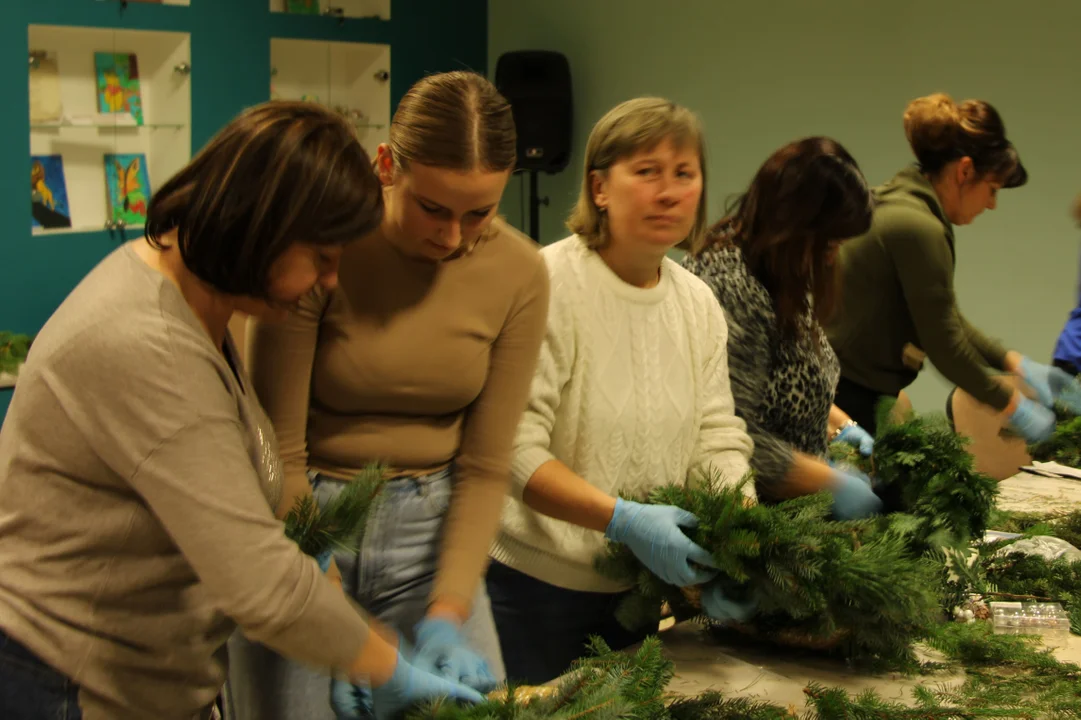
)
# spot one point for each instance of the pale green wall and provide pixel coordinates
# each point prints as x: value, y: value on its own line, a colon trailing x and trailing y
x: 763, y: 72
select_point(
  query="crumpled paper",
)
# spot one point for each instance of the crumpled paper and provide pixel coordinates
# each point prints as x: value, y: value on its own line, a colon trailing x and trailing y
x: 1047, y: 547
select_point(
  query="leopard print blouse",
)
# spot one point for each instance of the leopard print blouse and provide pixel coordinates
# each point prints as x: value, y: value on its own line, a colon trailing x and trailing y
x: 783, y: 390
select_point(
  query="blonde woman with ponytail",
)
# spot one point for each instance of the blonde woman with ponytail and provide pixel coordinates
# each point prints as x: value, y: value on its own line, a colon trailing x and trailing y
x: 898, y: 305
x: 421, y: 358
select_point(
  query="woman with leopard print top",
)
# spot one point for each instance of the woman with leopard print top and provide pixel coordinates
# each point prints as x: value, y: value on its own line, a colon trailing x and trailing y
x: 770, y: 264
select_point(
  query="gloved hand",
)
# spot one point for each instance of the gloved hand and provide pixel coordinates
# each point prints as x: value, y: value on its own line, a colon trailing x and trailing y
x: 856, y: 436
x: 1032, y: 421
x: 1052, y: 385
x: 324, y: 559
x: 407, y: 686
x: 853, y: 497
x: 653, y: 534
x: 442, y: 649
x: 721, y: 609
x: 1047, y: 381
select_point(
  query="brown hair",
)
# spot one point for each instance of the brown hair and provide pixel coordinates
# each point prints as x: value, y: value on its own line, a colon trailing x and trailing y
x: 806, y: 195
x: 455, y: 120
x: 627, y: 129
x: 941, y: 131
x: 280, y: 173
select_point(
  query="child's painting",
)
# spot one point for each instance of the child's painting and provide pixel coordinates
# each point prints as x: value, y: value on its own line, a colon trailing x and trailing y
x: 118, y: 84
x: 302, y: 7
x: 128, y: 186
x: 48, y: 193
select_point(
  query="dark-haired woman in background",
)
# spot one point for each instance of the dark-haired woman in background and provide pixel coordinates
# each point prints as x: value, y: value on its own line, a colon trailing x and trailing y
x: 770, y: 263
x: 897, y: 298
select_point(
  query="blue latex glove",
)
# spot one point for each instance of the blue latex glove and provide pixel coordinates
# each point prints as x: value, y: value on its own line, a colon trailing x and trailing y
x: 442, y: 649
x: 853, y: 497
x: 857, y: 437
x: 1052, y: 385
x: 721, y: 609
x: 1032, y: 421
x: 407, y: 686
x: 653, y: 534
x: 1038, y: 377
x: 324, y: 559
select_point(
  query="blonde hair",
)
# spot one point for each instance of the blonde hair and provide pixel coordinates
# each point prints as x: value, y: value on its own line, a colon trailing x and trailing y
x: 940, y: 131
x: 455, y: 120
x: 625, y: 130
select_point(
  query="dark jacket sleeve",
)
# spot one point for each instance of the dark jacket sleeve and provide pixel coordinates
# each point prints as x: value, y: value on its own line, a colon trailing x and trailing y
x: 921, y: 253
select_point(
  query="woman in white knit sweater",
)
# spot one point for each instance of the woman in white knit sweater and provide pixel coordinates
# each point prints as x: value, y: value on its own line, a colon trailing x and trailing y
x: 631, y: 392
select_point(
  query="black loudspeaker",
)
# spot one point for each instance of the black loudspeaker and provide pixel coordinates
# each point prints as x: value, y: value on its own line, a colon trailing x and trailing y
x: 537, y: 83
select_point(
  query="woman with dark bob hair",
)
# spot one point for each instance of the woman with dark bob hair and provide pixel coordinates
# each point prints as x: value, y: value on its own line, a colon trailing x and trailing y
x: 137, y: 470
x: 770, y: 262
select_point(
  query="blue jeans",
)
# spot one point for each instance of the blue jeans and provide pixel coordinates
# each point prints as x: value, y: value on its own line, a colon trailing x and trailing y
x: 390, y: 576
x: 544, y: 628
x: 32, y: 690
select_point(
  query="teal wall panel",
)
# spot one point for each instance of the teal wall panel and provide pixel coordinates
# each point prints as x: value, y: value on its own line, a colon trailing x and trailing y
x: 230, y: 48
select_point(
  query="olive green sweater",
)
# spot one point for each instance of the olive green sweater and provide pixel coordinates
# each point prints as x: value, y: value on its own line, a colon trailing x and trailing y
x: 897, y: 290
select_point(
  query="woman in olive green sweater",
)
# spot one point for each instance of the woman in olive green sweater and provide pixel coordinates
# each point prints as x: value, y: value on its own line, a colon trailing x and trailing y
x: 898, y: 305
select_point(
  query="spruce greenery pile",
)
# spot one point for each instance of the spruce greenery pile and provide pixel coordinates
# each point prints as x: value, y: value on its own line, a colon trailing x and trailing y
x: 854, y: 587
x: 863, y: 589
x: 996, y: 574
x: 1064, y: 445
x: 1006, y: 676
x: 922, y: 463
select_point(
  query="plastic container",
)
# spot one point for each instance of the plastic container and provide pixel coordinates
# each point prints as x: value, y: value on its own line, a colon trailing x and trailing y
x: 1046, y: 619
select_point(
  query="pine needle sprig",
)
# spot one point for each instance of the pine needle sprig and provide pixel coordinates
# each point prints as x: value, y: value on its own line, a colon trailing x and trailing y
x: 1064, y: 445
x: 341, y: 523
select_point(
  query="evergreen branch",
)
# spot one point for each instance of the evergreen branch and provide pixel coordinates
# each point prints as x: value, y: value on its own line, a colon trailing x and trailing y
x: 1006, y: 677
x: 342, y: 522
x: 854, y: 587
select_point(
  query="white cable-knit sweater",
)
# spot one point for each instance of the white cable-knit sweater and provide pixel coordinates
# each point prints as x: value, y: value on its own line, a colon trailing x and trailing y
x: 631, y: 392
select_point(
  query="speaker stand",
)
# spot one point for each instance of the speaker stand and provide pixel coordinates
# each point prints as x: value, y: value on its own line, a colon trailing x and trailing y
x: 535, y: 201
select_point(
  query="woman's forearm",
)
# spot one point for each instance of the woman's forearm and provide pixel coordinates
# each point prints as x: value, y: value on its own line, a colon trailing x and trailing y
x: 558, y: 492
x: 838, y: 419
x: 806, y: 476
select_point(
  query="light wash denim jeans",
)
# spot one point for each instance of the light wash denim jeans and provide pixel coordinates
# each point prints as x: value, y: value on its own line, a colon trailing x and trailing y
x: 391, y: 577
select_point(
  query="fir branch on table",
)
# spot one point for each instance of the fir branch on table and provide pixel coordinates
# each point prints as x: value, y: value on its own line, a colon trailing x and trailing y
x: 14, y: 348
x: 929, y: 468
x: 342, y: 522
x: 851, y: 585
x: 1063, y: 525
x: 1006, y: 676
x: 606, y: 684
x: 1064, y: 445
